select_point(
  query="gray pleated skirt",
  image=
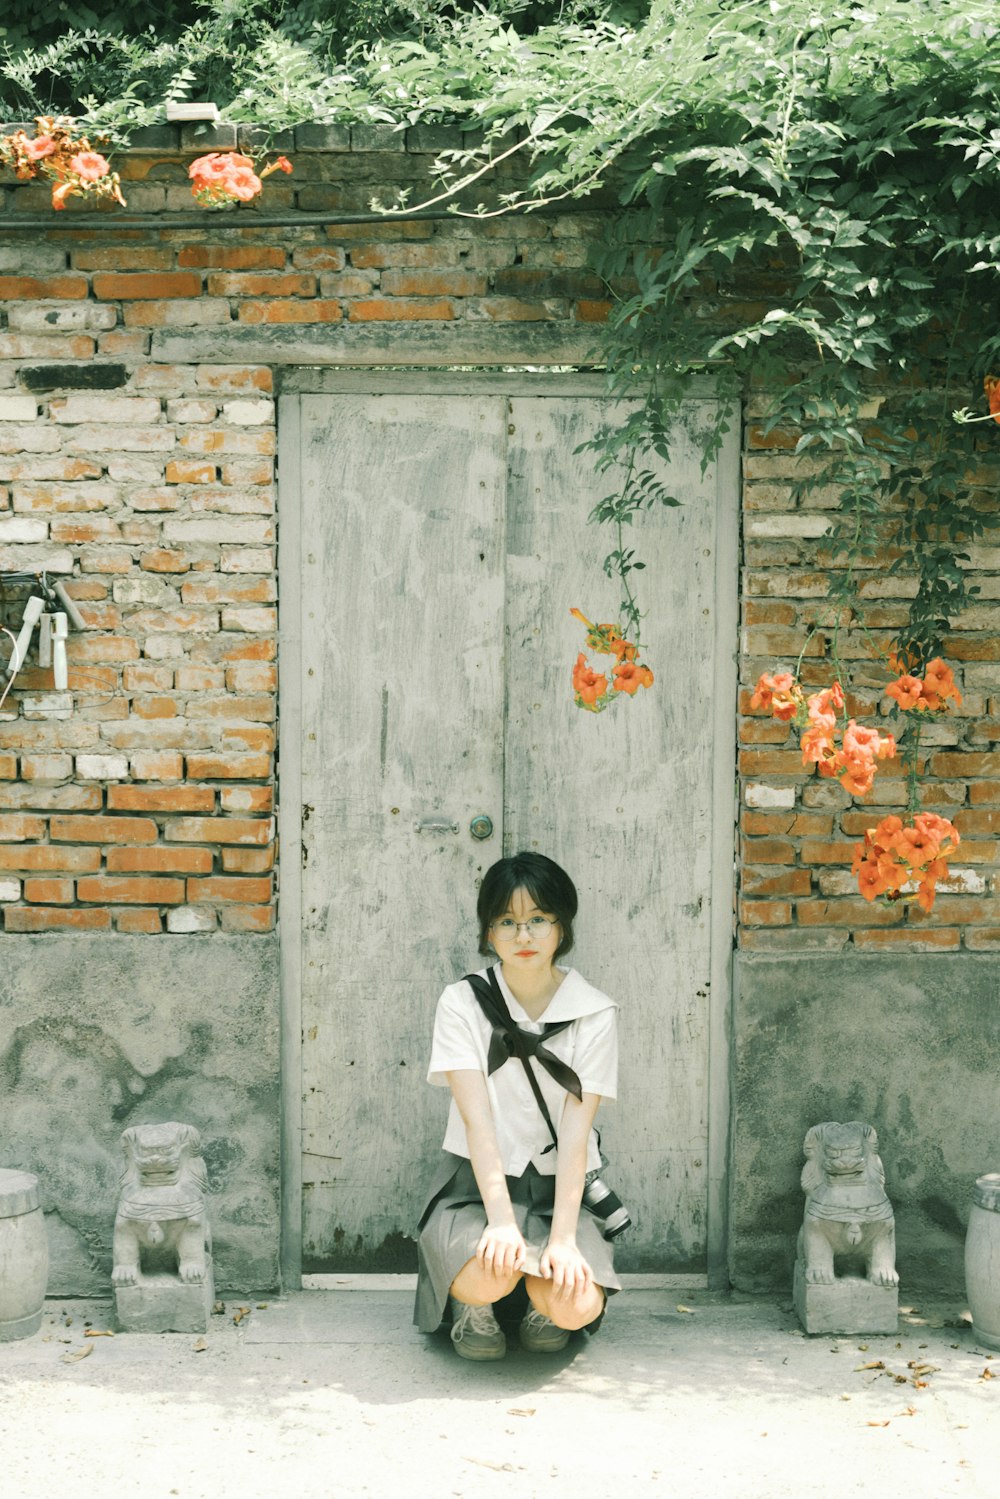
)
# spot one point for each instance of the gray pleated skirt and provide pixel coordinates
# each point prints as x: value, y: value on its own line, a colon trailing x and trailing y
x: 453, y: 1221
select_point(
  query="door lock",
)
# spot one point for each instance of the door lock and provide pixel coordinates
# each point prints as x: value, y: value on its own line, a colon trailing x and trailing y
x: 481, y: 827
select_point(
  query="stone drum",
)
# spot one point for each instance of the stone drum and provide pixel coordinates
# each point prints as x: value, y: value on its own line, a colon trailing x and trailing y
x: 24, y: 1255
x: 982, y: 1260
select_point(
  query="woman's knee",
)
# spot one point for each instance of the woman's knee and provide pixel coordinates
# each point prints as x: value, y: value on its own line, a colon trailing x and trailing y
x: 569, y: 1312
x: 481, y: 1287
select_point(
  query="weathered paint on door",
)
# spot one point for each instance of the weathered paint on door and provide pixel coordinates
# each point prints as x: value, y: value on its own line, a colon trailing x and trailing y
x: 444, y: 540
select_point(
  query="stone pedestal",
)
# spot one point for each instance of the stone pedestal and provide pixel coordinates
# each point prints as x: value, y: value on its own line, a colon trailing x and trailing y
x: 24, y: 1255
x: 849, y: 1305
x: 165, y: 1303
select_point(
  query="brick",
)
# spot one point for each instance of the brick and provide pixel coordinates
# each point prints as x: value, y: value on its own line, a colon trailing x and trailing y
x: 234, y: 377
x: 763, y: 882
x: 38, y: 289
x: 91, y: 408
x: 18, y: 408
x: 248, y: 413
x: 793, y: 824
x: 142, y: 890
x: 120, y: 438
x: 191, y: 471
x: 246, y: 890
x: 765, y: 912
x: 254, y: 677
x: 50, y: 768
x: 242, y: 284
x: 248, y: 860
x: 983, y: 939
x: 246, y: 798
x: 44, y: 856
x: 102, y: 830
x: 252, y: 621
x: 199, y: 679
x: 516, y: 310
x: 786, y: 763
x: 849, y: 912
x: 793, y: 939
x: 8, y: 769
x: 221, y: 830
x: 985, y: 793
x: 46, y: 498
x: 14, y: 529
x: 193, y: 620
x: 154, y: 707
x: 153, y: 286
x: 929, y: 940
x: 314, y: 310
x: 101, y: 767
x: 38, y: 919
x: 814, y: 852
x: 246, y: 736
x: 47, y: 347
x: 191, y: 410
x: 221, y: 530
x: 18, y: 827
x: 591, y: 311
x: 769, y: 851
x: 246, y: 559
x: 131, y: 257
x: 233, y: 767
x: 167, y: 314
x: 967, y: 765
x: 759, y: 795
x: 191, y: 919
x: 159, y: 860
x: 142, y: 677
x: 54, y: 892
x: 161, y: 799
x: 259, y: 501
x: 157, y: 765
x: 10, y: 890
x: 378, y: 256
x: 53, y: 798
x: 138, y: 920
x: 387, y: 310
x: 233, y: 441
x: 247, y: 918
x: 236, y: 257
x: 165, y: 561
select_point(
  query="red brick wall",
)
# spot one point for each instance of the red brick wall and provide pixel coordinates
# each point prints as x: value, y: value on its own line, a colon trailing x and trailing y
x: 146, y: 803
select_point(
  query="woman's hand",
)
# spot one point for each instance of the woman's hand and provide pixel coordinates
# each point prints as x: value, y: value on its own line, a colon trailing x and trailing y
x: 565, y: 1266
x: 501, y: 1250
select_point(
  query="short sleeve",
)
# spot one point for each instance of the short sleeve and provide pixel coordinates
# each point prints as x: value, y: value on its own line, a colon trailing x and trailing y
x: 596, y: 1053
x: 455, y: 1042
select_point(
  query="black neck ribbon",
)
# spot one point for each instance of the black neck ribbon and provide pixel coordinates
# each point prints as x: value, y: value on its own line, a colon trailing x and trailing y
x: 509, y: 1041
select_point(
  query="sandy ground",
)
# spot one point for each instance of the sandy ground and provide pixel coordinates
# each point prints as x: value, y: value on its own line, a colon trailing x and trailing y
x: 332, y: 1395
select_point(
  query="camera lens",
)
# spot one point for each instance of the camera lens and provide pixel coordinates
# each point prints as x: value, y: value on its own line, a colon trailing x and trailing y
x: 601, y: 1201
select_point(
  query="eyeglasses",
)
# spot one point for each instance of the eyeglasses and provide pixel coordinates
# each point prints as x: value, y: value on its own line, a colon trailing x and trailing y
x: 536, y: 926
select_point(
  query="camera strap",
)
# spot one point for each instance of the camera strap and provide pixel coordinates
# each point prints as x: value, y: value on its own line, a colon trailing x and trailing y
x: 510, y: 1040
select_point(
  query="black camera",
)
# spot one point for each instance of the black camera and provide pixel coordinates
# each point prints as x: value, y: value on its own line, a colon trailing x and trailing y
x: 603, y: 1203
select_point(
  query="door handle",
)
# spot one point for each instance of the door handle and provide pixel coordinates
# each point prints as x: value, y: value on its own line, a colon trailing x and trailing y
x: 437, y: 825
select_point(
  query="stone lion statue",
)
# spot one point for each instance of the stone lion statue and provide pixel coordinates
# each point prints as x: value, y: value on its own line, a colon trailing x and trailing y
x: 161, y: 1223
x: 847, y: 1210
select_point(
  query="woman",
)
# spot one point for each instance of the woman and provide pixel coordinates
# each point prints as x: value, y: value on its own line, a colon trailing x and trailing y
x: 507, y: 1202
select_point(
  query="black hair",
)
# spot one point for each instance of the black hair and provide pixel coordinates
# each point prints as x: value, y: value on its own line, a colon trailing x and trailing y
x: 550, y: 888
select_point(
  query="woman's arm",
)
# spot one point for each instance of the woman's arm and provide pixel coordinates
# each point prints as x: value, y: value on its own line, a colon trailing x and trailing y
x: 501, y: 1248
x: 562, y: 1261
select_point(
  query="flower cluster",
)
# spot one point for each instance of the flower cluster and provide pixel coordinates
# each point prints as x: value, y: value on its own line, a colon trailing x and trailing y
x: 68, y: 161
x: 991, y: 386
x: 853, y: 759
x: 895, y: 854
x: 927, y: 694
x: 224, y: 178
x: 590, y: 687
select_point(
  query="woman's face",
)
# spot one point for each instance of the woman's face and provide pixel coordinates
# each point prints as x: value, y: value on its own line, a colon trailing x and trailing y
x: 522, y: 946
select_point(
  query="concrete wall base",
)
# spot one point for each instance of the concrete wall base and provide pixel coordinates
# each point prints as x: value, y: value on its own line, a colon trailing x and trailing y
x: 907, y: 1043
x: 101, y: 1032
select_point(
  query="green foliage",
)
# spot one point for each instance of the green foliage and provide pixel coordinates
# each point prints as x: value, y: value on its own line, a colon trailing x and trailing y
x: 807, y: 198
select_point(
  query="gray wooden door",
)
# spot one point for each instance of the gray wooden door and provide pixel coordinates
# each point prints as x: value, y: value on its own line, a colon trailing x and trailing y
x: 443, y: 541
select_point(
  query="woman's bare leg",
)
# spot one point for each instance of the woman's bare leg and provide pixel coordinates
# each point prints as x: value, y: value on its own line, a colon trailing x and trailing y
x: 476, y: 1286
x: 570, y: 1312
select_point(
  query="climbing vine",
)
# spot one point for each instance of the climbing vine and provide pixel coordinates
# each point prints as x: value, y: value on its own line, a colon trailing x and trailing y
x: 806, y: 212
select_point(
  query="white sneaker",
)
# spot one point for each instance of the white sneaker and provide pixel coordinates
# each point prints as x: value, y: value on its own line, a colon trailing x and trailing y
x: 475, y: 1332
x: 539, y: 1334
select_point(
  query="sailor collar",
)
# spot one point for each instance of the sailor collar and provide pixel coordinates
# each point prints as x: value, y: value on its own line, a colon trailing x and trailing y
x: 573, y: 1000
